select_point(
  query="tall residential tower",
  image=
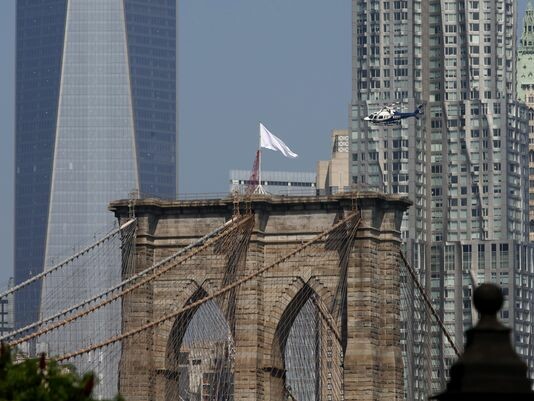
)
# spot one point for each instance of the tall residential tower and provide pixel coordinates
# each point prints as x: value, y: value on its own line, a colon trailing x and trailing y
x: 464, y: 163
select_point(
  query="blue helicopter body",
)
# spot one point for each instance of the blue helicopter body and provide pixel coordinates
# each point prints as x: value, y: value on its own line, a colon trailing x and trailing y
x: 388, y: 115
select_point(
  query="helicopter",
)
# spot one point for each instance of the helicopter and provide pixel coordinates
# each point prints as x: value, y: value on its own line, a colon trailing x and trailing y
x: 389, y: 115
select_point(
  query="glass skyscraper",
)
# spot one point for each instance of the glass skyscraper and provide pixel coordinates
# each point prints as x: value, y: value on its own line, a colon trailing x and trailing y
x: 95, y: 120
x: 464, y: 163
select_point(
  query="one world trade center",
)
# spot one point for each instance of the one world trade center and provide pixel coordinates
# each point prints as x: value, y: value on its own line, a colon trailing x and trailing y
x: 95, y: 120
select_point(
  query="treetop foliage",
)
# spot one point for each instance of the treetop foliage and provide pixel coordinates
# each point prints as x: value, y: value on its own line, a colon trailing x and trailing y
x: 40, y: 379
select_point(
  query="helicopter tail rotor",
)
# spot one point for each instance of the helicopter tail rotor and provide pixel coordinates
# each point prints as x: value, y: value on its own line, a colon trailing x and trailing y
x: 419, y: 111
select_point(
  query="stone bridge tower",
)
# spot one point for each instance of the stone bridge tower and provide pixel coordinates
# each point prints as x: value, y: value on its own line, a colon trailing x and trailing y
x: 368, y: 327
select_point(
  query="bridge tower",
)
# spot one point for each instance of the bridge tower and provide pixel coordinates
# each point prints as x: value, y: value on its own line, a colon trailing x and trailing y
x: 349, y: 267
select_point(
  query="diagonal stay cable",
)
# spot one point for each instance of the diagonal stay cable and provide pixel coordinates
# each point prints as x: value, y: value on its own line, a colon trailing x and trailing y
x: 133, y: 287
x: 203, y: 300
x: 121, y: 284
x: 67, y: 261
x: 326, y: 318
x: 12, y: 334
x: 429, y: 304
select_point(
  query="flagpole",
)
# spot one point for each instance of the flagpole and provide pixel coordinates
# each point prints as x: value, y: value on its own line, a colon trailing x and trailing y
x: 259, y: 160
x: 259, y: 188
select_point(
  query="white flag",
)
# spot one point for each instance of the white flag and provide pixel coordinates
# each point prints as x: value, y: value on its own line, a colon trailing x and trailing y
x: 270, y: 141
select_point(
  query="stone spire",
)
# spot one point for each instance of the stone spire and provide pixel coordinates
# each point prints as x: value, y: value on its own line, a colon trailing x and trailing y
x: 489, y: 369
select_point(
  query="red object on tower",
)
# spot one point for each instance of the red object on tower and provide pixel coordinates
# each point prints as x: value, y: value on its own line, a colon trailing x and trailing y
x: 253, y: 181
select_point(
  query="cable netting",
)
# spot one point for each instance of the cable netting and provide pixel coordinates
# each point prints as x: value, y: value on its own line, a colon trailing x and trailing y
x: 196, y: 330
x: 61, y: 290
x: 171, y: 329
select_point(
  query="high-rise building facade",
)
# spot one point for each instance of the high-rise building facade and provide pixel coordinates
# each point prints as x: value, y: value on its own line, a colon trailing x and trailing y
x: 525, y: 93
x: 388, y: 68
x: 95, y: 120
x: 464, y: 163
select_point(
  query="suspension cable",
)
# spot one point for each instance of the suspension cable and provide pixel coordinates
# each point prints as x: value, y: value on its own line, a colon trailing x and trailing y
x: 132, y: 288
x: 66, y: 261
x: 120, y: 285
x: 429, y: 304
x: 205, y: 299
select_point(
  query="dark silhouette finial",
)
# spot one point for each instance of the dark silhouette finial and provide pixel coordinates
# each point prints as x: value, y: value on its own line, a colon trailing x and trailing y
x: 489, y: 368
x: 488, y: 299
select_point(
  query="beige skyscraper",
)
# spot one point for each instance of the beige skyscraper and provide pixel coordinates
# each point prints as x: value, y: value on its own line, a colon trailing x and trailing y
x: 332, y: 175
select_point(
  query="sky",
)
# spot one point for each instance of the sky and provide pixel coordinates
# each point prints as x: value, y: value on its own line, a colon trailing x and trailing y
x: 286, y: 63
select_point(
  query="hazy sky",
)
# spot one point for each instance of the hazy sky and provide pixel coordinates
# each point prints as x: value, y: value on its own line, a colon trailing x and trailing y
x: 283, y: 62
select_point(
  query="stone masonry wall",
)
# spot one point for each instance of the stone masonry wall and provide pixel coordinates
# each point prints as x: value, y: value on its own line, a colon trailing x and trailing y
x: 372, y: 360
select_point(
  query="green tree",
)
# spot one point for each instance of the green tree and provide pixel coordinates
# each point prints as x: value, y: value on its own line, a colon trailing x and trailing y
x: 42, y: 380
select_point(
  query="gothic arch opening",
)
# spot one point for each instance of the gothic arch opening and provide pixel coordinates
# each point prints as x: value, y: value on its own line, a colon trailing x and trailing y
x: 306, y: 359
x: 200, y: 354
